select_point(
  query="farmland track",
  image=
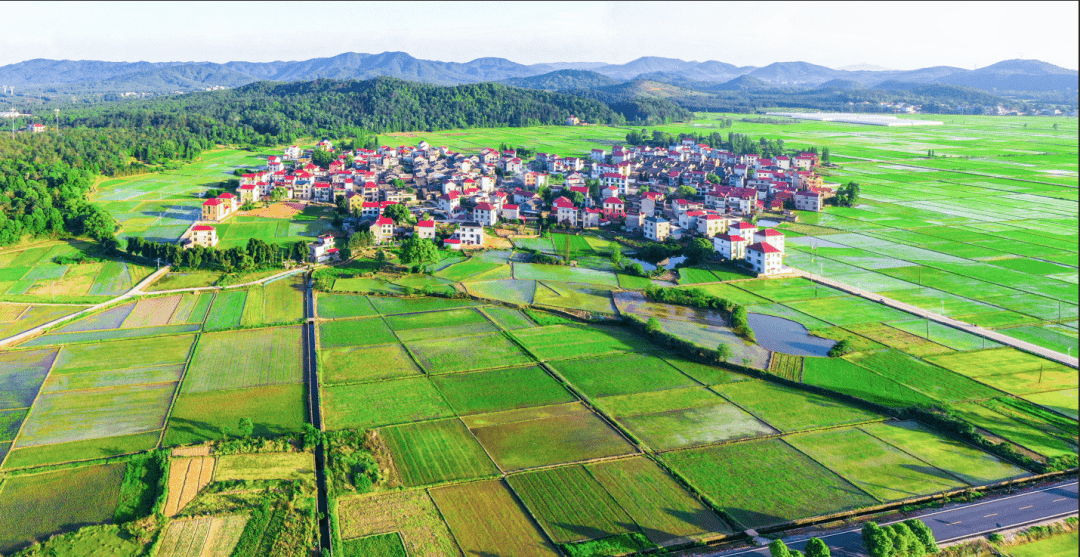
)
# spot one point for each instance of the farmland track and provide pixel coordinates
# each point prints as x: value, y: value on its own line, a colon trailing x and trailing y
x: 995, y: 336
x: 311, y: 375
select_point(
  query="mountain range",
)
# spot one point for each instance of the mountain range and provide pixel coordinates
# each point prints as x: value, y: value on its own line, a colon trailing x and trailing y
x: 88, y: 76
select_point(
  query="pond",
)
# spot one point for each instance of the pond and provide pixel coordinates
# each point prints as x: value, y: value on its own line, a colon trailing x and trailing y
x: 766, y: 223
x: 787, y: 336
x: 671, y: 262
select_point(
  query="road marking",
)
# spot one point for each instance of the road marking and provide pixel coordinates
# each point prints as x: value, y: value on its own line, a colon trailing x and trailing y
x: 989, y: 515
x: 953, y: 523
x: 1059, y: 500
x: 1027, y: 507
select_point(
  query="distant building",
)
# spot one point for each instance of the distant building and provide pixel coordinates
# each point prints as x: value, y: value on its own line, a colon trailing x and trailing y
x: 383, y: 230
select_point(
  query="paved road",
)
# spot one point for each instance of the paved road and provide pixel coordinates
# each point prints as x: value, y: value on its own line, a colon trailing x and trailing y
x: 958, y: 523
x: 973, y: 329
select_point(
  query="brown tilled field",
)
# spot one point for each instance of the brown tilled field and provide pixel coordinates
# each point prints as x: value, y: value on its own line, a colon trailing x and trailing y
x: 211, y: 536
x: 186, y: 477
x: 280, y: 210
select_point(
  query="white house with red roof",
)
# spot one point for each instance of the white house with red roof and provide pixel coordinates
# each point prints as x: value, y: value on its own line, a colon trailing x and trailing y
x: 323, y: 249
x: 744, y: 229
x: 590, y: 217
x: 249, y: 193
x: 765, y: 259
x: 649, y: 201
x: 565, y: 211
x: 771, y: 236
x: 615, y: 180
x: 449, y: 201
x: 511, y: 212
x: 597, y: 155
x: 202, y: 235
x: 711, y: 224
x: 383, y: 230
x: 485, y: 213
x: 425, y: 229
x: 467, y: 234
x: 614, y: 207
x: 730, y: 246
x: 808, y: 201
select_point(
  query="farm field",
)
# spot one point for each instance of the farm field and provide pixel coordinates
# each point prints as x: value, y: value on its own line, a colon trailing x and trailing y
x: 198, y: 417
x: 487, y: 520
x: 520, y: 439
x: 509, y: 436
x: 439, y: 451
x: 29, y: 273
x: 792, y: 487
x: 36, y: 506
x: 412, y: 514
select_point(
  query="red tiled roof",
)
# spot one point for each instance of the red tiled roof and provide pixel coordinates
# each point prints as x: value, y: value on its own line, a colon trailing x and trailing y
x: 425, y: 224
x: 485, y: 206
x: 203, y: 228
x: 381, y: 221
x: 226, y: 196
x: 614, y: 200
x: 210, y: 202
x: 730, y: 238
x: 763, y: 248
x: 743, y: 226
x: 770, y: 232
x: 510, y: 206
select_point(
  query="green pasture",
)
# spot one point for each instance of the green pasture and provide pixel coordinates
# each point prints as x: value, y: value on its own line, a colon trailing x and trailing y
x: 355, y: 332
x: 246, y: 358
x: 621, y: 374
x: 448, y: 355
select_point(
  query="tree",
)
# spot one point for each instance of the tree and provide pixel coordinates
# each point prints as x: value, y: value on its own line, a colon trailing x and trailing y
x: 322, y: 158
x: 847, y: 195
x: 876, y: 542
x: 398, y: 183
x: 342, y: 205
x: 777, y: 548
x: 900, y: 541
x: 817, y: 548
x: 419, y: 251
x: 825, y: 158
x: 841, y: 348
x: 361, y: 239
x: 380, y: 258
x: 245, y: 427
x: 698, y: 250
x: 712, y: 178
x: 400, y: 213
x: 683, y: 192
x: 723, y: 352
x: 922, y: 533
x: 652, y: 326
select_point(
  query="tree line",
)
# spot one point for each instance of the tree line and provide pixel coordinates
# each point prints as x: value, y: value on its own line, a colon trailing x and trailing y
x: 257, y: 254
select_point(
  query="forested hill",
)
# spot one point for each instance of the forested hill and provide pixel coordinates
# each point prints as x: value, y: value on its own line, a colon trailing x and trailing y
x: 270, y: 112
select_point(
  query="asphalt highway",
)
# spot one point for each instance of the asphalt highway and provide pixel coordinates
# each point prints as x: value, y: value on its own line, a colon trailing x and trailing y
x: 957, y: 523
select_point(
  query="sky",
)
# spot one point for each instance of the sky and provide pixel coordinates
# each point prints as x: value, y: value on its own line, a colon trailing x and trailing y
x: 895, y: 35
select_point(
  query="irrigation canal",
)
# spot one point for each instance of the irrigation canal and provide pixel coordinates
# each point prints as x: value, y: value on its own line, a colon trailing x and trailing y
x: 315, y: 412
